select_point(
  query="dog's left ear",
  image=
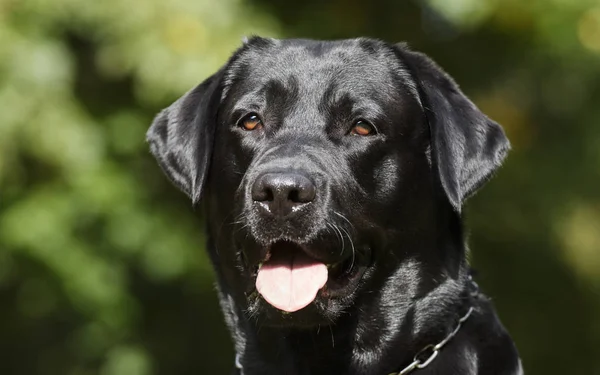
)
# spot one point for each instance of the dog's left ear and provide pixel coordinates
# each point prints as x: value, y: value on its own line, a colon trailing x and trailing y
x: 467, y: 147
x: 181, y: 136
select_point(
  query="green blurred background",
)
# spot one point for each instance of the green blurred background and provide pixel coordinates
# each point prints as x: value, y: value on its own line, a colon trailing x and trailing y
x: 102, y: 266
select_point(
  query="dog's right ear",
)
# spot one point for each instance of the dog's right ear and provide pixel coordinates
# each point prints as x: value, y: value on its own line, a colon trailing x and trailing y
x: 181, y: 136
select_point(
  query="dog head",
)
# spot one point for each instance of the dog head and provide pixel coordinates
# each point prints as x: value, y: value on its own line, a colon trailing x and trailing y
x: 325, y: 166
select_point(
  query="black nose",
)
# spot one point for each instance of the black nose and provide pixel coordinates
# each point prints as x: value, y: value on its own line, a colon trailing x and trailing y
x: 283, y: 192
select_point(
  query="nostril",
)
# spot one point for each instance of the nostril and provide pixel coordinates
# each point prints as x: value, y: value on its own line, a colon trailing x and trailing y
x: 261, y: 192
x: 264, y: 195
x: 294, y: 196
x: 305, y: 192
x: 268, y: 194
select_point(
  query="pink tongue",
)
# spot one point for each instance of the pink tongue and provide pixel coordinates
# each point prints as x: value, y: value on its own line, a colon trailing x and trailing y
x: 290, y: 282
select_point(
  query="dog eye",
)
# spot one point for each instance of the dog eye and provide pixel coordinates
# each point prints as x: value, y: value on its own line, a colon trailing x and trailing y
x: 363, y: 128
x: 251, y: 122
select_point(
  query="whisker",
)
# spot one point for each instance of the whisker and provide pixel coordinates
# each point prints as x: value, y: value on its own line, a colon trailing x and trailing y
x: 341, y: 236
x: 345, y: 218
x: 332, y: 339
x: 351, y: 244
x: 329, y: 225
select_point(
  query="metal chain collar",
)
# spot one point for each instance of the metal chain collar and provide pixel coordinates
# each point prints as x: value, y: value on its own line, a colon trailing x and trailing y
x: 420, y: 360
x: 426, y: 355
x: 423, y: 358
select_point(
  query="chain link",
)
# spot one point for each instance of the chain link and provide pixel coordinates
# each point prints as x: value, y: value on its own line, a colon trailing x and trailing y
x: 424, y: 357
x: 238, y: 364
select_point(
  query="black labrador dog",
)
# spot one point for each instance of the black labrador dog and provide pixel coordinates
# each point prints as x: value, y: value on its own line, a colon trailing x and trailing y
x: 333, y: 175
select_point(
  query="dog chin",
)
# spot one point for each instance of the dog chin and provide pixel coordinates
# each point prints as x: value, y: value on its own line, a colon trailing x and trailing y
x: 318, y: 313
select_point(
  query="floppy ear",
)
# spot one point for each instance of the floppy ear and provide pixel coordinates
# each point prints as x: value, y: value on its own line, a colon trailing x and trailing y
x: 181, y: 136
x: 467, y: 147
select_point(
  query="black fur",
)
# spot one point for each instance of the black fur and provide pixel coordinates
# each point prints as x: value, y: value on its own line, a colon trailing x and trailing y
x: 387, y: 205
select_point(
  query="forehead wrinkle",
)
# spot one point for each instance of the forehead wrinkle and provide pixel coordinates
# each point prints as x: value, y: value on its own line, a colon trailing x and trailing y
x: 353, y: 102
x: 280, y: 96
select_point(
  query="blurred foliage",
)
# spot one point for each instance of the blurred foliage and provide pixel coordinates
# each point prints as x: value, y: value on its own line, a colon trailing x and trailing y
x: 102, y: 268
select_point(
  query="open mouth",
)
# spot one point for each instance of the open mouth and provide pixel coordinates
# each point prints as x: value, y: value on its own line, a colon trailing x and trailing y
x: 290, y: 279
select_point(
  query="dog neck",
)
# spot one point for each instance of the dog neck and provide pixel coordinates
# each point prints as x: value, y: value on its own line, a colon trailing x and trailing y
x: 380, y: 337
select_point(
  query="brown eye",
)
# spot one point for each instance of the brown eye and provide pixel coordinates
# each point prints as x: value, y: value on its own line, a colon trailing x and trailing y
x: 362, y: 128
x: 251, y: 122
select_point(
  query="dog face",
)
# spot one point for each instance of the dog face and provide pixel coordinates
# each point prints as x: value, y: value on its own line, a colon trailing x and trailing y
x: 326, y: 167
